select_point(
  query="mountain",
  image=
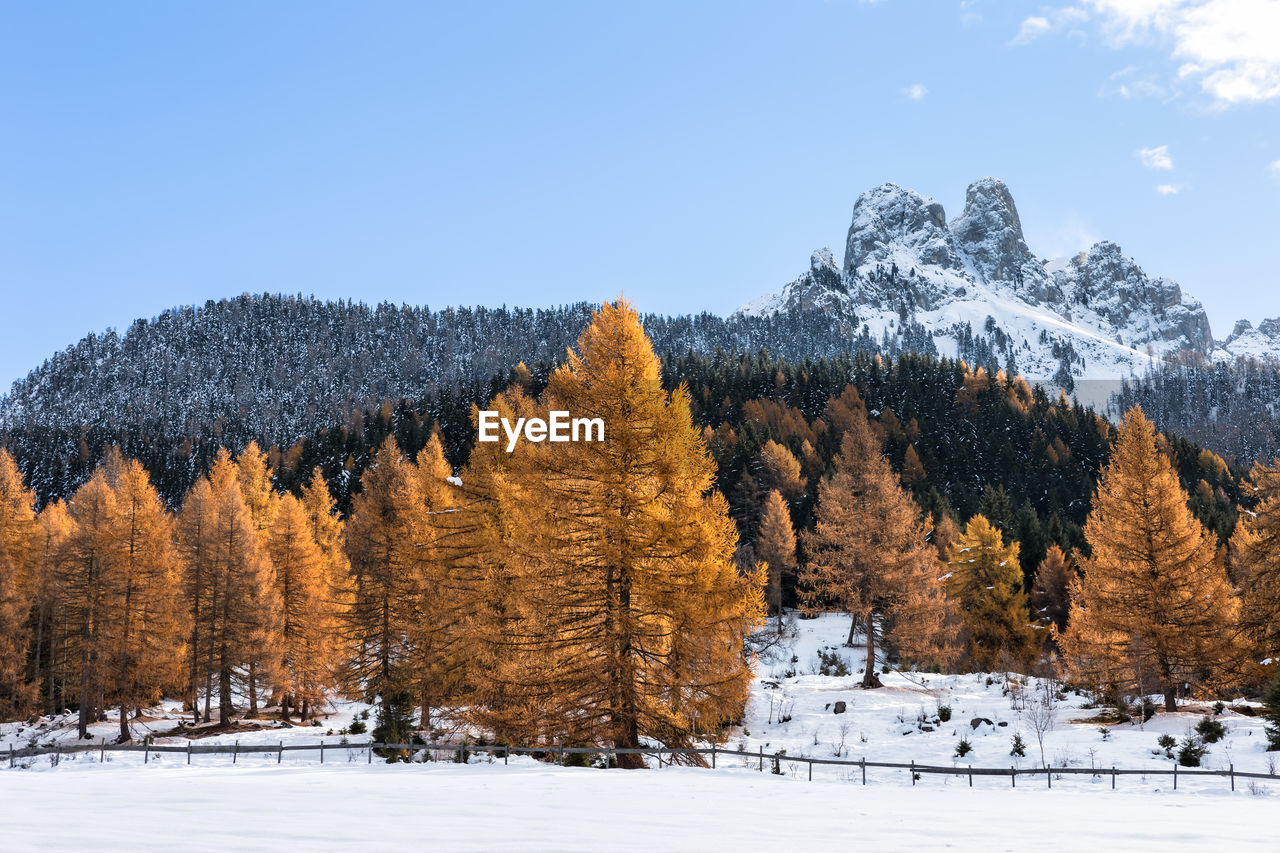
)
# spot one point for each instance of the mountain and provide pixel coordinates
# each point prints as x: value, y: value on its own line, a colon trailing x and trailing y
x: 977, y: 288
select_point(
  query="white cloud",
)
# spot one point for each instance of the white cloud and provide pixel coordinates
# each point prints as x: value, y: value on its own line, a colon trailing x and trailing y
x: 1168, y: 189
x: 1037, y: 25
x: 1273, y: 169
x: 1229, y: 46
x: 916, y: 91
x: 1156, y: 158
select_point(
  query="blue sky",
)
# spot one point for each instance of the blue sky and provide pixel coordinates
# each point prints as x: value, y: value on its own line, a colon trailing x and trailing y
x: 690, y: 155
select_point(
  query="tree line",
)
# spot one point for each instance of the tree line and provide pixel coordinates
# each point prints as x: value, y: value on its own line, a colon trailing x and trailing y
x: 607, y: 592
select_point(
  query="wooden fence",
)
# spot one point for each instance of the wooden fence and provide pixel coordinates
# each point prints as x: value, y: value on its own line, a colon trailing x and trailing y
x: 714, y: 754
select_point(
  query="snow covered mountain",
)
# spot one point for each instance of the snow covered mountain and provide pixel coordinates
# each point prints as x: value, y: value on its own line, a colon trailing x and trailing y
x: 982, y: 294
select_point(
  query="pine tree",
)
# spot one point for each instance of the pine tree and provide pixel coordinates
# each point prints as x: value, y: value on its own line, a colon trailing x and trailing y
x: 776, y: 548
x: 869, y: 555
x: 382, y: 587
x: 1255, y: 548
x: 1153, y: 606
x: 140, y: 634
x: 630, y: 616
x: 985, y: 581
x: 307, y: 624
x: 230, y: 587
x: 19, y: 581
x: 48, y: 635
x: 85, y: 566
x: 254, y: 476
x: 1051, y: 594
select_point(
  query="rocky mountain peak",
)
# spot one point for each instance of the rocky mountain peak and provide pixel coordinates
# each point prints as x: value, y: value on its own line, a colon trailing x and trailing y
x: 989, y: 231
x: 889, y: 214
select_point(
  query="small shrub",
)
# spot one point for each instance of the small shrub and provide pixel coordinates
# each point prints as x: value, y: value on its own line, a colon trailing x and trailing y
x: 944, y: 713
x: 831, y: 663
x: 1105, y: 732
x: 1211, y: 730
x: 884, y: 669
x: 1218, y: 708
x: 1191, y: 751
x: 990, y: 681
x: 358, y: 727
x: 1167, y: 741
x: 1148, y: 709
x: 963, y: 748
x: 1019, y: 746
x: 777, y: 763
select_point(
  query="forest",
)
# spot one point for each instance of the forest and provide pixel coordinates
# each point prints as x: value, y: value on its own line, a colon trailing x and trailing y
x: 611, y: 592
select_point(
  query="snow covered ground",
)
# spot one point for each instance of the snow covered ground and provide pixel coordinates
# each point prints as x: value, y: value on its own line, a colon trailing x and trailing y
x: 528, y: 806
x: 258, y: 804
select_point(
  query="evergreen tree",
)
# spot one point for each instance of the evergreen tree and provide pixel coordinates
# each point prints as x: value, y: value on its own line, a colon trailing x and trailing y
x: 985, y: 581
x: 1255, y: 548
x: 141, y: 638
x: 630, y: 615
x: 19, y: 581
x: 776, y: 548
x: 307, y: 618
x: 868, y: 553
x: 1051, y: 594
x: 1152, y: 607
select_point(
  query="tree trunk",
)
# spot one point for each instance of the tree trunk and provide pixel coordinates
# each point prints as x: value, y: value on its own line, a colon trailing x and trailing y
x: 869, y: 678
x: 853, y: 626
x: 284, y: 707
x: 253, y: 691
x: 224, y: 688
x: 1170, y: 699
x: 125, y: 737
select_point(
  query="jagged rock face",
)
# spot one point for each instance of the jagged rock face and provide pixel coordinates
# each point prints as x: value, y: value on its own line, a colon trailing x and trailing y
x: 989, y: 231
x: 976, y: 278
x: 1112, y: 285
x: 822, y: 288
x: 890, y: 216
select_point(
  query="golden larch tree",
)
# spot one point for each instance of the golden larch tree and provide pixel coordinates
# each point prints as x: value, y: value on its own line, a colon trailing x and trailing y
x: 1051, y: 590
x: 142, y: 643
x: 632, y: 617
x: 776, y: 548
x: 1255, y: 549
x: 1153, y: 606
x: 307, y: 619
x: 868, y: 553
x: 19, y: 581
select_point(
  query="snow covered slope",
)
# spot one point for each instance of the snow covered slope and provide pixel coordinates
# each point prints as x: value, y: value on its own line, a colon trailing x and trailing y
x: 982, y: 295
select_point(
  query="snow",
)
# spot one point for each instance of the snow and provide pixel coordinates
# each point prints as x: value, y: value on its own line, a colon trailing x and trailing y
x: 528, y: 806
x: 346, y: 803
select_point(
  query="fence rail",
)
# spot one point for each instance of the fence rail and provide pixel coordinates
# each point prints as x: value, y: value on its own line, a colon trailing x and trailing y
x: 760, y: 757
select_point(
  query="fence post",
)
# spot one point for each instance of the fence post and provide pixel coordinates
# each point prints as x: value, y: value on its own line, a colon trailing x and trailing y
x: 57, y: 754
x: 280, y: 754
x: 146, y: 749
x: 321, y: 750
x: 810, y: 771
x: 970, y: 775
x: 1113, y: 777
x: 864, y: 769
x: 1232, y: 771
x: 1048, y: 775
x: 459, y: 754
x: 1175, y: 776
x: 1013, y: 777
x: 913, y: 772
x: 371, y: 752
x: 102, y: 752
x: 761, y: 759
x: 11, y: 755
x: 713, y: 755
x: 188, y: 752
x: 236, y: 754
x: 506, y: 752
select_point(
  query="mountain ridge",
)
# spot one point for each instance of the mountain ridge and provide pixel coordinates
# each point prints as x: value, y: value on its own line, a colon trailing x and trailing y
x: 975, y: 285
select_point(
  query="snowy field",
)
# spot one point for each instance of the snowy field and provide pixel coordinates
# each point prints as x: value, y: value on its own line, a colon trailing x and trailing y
x: 85, y: 806
x: 82, y: 804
